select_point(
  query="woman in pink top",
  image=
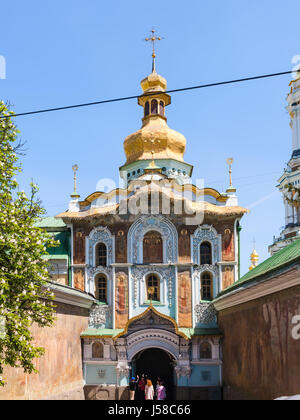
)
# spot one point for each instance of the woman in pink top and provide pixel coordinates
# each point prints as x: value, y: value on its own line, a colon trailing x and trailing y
x: 161, y: 392
x: 149, y: 390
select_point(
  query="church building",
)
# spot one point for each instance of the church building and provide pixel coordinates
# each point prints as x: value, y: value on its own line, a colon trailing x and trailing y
x: 289, y: 182
x: 154, y: 255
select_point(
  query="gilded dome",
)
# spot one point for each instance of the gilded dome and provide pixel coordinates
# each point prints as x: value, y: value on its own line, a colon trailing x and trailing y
x: 155, y: 140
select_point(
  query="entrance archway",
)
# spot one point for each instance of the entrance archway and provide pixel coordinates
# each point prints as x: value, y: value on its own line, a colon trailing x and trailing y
x: 156, y: 363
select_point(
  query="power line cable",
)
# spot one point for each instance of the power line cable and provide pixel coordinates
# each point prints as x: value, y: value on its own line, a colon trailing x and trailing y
x: 126, y: 98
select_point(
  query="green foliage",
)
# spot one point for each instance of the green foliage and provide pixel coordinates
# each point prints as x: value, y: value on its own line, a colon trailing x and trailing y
x: 25, y: 296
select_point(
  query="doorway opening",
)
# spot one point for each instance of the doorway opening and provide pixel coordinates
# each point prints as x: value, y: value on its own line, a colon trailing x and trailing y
x: 156, y: 363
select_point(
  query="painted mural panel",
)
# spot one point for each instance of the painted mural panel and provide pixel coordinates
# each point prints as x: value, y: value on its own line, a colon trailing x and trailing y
x: 227, y: 276
x: 78, y: 279
x: 184, y: 246
x: 121, y: 247
x: 184, y: 299
x: 79, y: 246
x: 228, y: 244
x: 121, y: 300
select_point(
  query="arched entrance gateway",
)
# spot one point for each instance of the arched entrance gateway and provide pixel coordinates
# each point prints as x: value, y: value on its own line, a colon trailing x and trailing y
x: 155, y: 347
x: 156, y: 363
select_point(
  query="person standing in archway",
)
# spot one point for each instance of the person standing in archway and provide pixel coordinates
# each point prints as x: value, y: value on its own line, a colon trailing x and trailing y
x: 141, y: 388
x: 161, y: 392
x: 149, y: 390
x: 132, y: 388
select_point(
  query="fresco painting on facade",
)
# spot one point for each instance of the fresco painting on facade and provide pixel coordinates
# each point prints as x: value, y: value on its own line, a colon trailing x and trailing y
x: 121, y: 300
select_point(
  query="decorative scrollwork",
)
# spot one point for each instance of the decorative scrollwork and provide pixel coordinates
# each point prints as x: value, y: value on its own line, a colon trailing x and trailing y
x: 100, y: 316
x: 205, y: 313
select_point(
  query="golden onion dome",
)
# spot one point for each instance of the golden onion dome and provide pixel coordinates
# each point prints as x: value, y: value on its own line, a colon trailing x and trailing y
x: 155, y: 140
x: 254, y: 256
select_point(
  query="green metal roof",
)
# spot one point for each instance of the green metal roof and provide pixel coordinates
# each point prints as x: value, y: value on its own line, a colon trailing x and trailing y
x: 280, y: 259
x: 50, y: 222
x: 190, y: 332
x: 101, y: 332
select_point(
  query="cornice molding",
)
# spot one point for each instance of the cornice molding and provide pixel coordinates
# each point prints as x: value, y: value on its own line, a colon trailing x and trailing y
x: 266, y: 287
x: 70, y: 296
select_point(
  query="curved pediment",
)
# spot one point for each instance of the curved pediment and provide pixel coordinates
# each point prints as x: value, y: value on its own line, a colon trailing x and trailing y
x: 151, y: 318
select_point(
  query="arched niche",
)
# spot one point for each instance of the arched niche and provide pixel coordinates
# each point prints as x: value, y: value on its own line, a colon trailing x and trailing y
x: 159, y: 224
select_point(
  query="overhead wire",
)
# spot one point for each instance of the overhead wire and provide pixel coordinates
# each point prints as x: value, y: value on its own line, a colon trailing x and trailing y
x: 126, y: 98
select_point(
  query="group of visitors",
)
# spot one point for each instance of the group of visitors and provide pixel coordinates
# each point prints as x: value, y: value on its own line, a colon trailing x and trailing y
x: 141, y: 388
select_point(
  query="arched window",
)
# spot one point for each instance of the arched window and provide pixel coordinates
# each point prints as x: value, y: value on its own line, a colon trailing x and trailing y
x: 161, y: 108
x: 154, y: 106
x: 152, y: 248
x: 205, y: 253
x: 97, y: 351
x: 153, y: 288
x: 205, y: 350
x: 206, y: 286
x: 147, y: 108
x: 101, y: 255
x: 101, y: 288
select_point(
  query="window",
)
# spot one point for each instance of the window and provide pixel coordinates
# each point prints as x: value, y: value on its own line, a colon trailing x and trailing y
x: 97, y: 351
x: 161, y: 108
x: 154, y: 106
x: 152, y: 248
x: 205, y: 253
x: 153, y: 289
x: 101, y: 254
x: 205, y: 350
x: 206, y: 286
x: 101, y: 288
x: 146, y: 109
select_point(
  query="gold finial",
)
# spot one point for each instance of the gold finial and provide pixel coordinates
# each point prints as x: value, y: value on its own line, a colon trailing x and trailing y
x: 254, y: 257
x: 75, y: 169
x: 230, y: 162
x: 153, y: 38
x: 151, y: 291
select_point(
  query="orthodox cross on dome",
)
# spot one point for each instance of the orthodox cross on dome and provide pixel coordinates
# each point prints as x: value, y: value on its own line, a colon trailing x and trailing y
x: 230, y: 162
x: 153, y: 38
x: 75, y: 169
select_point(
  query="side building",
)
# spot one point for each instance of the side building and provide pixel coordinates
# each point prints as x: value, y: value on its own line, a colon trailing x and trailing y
x: 259, y: 317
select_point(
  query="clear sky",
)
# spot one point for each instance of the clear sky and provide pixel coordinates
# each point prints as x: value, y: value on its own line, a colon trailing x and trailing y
x: 68, y: 52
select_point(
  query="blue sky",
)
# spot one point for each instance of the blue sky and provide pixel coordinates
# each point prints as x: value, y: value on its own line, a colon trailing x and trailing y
x: 67, y: 52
